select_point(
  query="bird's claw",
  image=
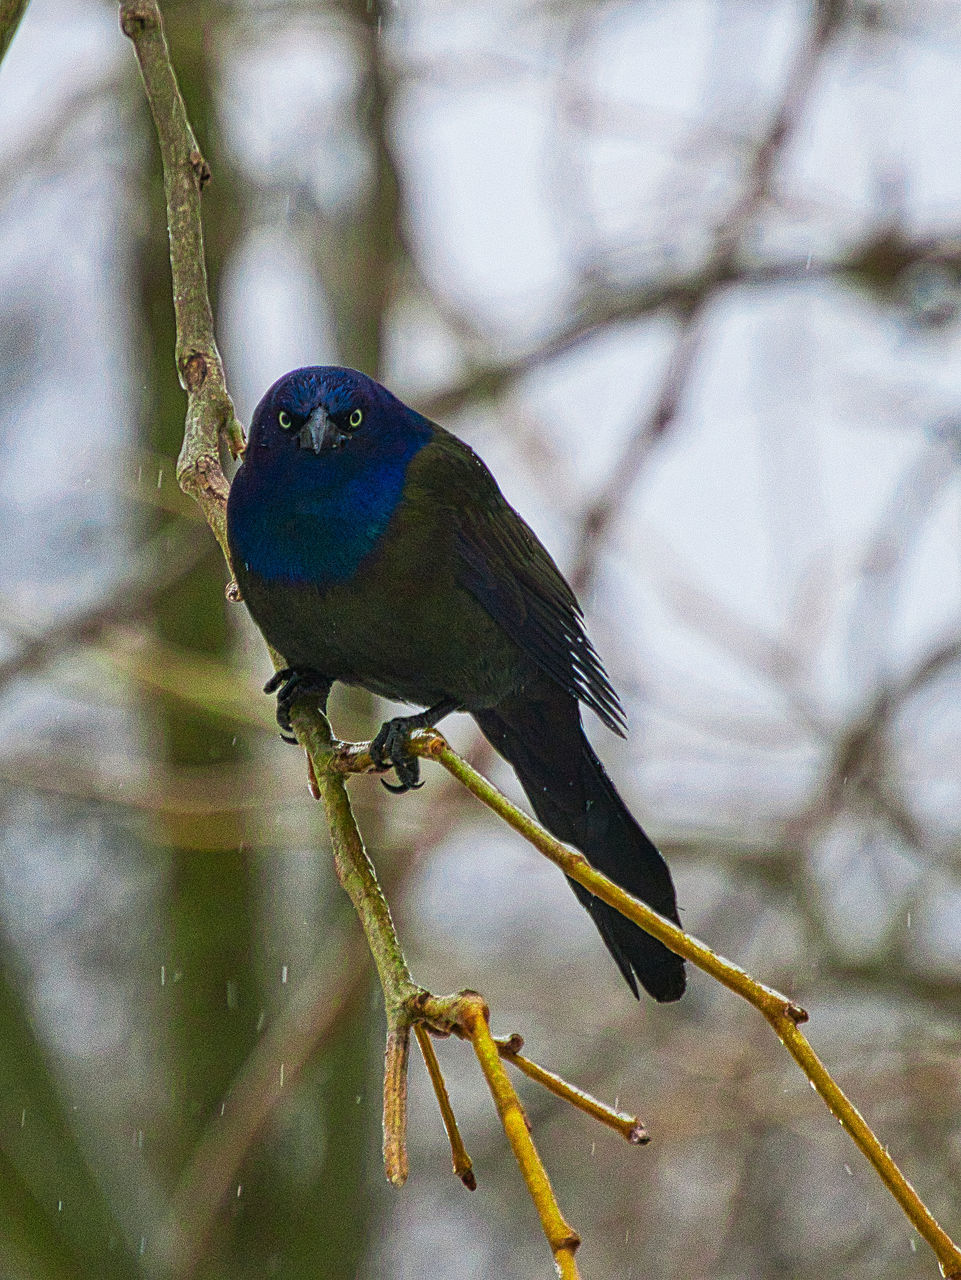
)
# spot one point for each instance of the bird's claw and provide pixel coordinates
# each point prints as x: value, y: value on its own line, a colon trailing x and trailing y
x: 288, y: 683
x: 389, y: 751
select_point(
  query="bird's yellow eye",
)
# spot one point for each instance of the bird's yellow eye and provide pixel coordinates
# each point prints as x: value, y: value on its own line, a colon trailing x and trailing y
x: 356, y: 418
x: 284, y: 419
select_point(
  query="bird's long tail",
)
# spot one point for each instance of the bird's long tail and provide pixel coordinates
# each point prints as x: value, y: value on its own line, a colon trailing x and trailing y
x: 542, y: 738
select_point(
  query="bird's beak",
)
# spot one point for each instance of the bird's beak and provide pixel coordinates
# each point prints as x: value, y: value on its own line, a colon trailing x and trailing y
x: 319, y: 433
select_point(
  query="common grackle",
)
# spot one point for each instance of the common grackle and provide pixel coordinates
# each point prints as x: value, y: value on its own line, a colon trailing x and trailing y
x: 374, y: 547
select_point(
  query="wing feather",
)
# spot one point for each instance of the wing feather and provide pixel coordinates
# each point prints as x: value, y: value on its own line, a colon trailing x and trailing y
x: 503, y: 564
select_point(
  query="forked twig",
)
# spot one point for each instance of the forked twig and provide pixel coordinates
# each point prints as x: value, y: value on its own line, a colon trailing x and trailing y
x: 562, y: 1238
x: 784, y: 1015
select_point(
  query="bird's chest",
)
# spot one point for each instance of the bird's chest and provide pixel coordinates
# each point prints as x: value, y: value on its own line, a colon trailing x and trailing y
x: 336, y: 577
x: 315, y: 537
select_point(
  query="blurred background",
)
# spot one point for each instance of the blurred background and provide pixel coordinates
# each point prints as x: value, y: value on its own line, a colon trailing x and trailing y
x: 687, y: 274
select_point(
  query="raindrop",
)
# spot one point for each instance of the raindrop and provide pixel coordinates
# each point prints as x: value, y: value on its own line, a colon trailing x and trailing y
x: 281, y: 1075
x: 59, y: 1206
x: 143, y: 1245
x: 283, y: 975
x: 849, y: 1171
x: 261, y: 1019
x: 231, y: 994
x: 909, y: 919
x: 163, y: 975
x: 240, y: 1187
x: 160, y: 477
x: 914, y: 1244
x: 23, y: 1117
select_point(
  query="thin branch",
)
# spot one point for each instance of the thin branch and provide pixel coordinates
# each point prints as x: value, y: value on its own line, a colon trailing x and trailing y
x: 210, y: 411
x: 396, y: 1056
x: 826, y: 15
x: 627, y: 1126
x: 359, y: 880
x: 726, y: 264
x: 560, y: 1235
x: 599, y: 515
x: 783, y: 1014
x: 211, y: 421
x: 605, y: 309
x: 461, y: 1161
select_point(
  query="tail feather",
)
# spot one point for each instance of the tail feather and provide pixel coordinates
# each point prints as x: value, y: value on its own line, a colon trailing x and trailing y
x: 542, y: 738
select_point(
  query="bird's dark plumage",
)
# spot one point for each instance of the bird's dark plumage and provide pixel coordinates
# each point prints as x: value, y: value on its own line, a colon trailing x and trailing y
x: 375, y: 548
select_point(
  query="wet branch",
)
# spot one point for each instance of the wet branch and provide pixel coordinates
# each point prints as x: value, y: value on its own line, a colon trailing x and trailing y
x: 211, y: 419
x: 783, y: 1014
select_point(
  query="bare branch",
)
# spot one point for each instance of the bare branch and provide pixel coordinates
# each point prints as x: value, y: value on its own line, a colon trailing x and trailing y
x: 783, y: 1014
x: 210, y: 411
x: 627, y: 1126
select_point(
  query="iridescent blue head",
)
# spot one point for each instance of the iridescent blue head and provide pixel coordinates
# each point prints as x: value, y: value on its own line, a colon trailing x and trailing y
x: 325, y: 408
x: 323, y: 473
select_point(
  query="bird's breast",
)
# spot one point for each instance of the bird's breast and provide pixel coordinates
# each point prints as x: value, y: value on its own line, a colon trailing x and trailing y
x: 311, y: 527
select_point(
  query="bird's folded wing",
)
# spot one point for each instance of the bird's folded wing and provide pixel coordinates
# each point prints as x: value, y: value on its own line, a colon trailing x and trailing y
x: 505, y: 567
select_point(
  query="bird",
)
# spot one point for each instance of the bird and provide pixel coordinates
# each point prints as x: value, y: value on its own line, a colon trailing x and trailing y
x: 374, y: 547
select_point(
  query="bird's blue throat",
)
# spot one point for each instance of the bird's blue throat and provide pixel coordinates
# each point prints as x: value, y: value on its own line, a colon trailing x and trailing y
x: 313, y: 519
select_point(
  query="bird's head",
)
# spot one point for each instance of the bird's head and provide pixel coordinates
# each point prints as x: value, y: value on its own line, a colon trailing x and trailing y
x: 325, y: 408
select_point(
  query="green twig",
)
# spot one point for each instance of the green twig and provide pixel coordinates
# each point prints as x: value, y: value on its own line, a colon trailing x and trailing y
x: 359, y: 880
x: 784, y: 1015
x: 627, y: 1126
x: 563, y: 1239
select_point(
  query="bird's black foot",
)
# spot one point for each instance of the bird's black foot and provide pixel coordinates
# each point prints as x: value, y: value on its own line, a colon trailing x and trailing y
x: 290, y: 684
x: 389, y: 748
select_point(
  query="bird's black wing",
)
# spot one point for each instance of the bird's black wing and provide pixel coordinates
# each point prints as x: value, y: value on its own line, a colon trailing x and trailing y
x: 501, y: 562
